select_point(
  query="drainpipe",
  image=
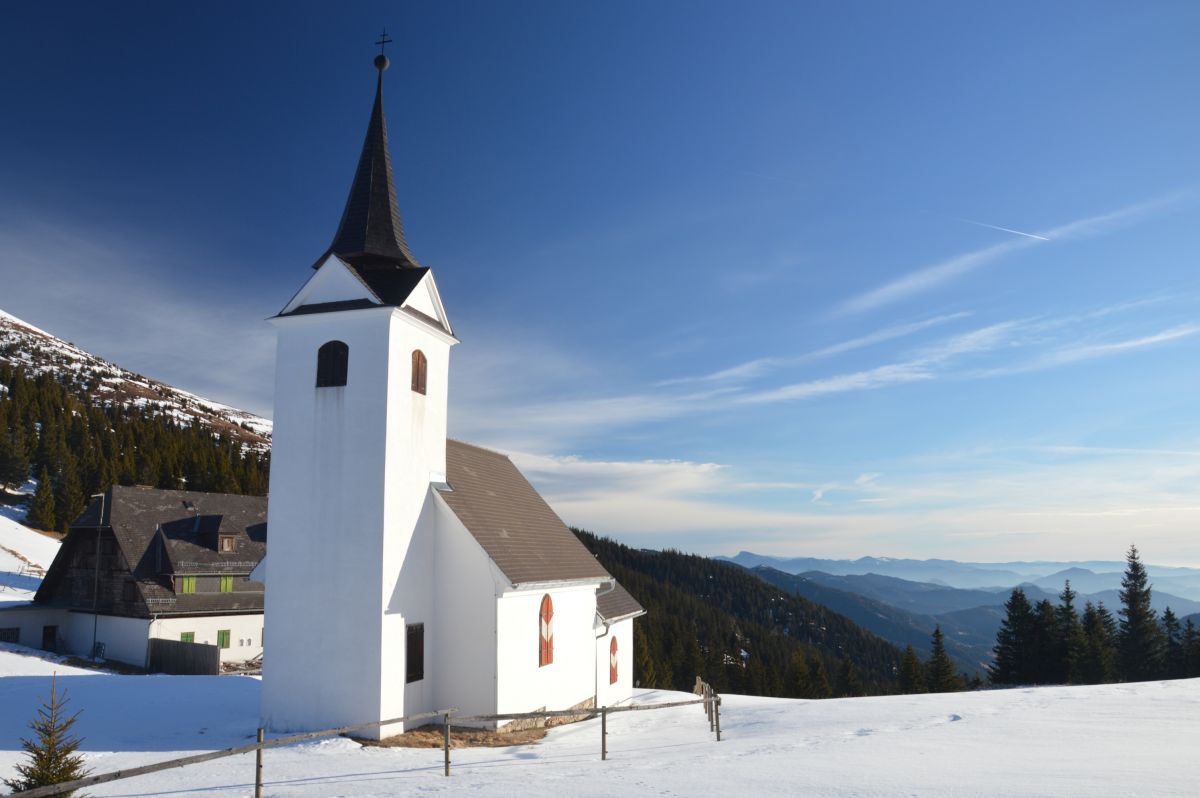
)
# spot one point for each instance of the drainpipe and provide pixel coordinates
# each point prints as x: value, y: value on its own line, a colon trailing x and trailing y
x: 612, y: 585
x: 96, y: 582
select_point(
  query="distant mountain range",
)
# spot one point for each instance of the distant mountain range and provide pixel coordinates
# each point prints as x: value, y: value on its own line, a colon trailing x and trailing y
x: 1094, y: 577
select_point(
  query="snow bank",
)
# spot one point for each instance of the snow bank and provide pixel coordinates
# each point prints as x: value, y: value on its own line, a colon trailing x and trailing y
x: 33, y: 546
x: 1115, y: 740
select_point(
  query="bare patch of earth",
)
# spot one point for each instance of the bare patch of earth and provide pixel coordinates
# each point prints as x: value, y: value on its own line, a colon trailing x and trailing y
x: 460, y: 737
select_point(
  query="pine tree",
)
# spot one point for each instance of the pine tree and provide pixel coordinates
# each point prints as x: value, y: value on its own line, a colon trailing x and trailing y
x: 941, y: 677
x: 912, y: 672
x: 14, y: 460
x: 1013, y: 642
x: 819, y: 677
x: 1139, y: 639
x: 1044, y: 657
x: 645, y: 672
x: 849, y: 683
x: 41, y: 510
x: 1173, y: 654
x: 68, y: 494
x: 52, y: 757
x: 1071, y: 641
x: 1191, y: 650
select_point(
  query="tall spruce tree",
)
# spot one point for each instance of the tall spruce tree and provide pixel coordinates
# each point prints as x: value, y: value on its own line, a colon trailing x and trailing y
x: 912, y: 672
x: 41, y: 509
x: 52, y: 757
x: 1045, y: 657
x: 940, y: 675
x: 1071, y: 642
x: 1191, y: 650
x: 1139, y: 640
x: 1014, y: 642
x: 1173, y: 655
x: 849, y: 682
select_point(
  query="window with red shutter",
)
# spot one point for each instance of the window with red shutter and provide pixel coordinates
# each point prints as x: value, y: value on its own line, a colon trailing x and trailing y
x: 546, y: 632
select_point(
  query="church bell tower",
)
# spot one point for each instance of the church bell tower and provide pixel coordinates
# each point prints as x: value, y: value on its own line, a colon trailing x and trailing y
x: 361, y: 369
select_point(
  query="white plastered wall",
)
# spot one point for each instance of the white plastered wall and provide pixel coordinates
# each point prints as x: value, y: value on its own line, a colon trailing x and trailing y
x: 608, y: 694
x: 245, y: 633
x: 523, y: 686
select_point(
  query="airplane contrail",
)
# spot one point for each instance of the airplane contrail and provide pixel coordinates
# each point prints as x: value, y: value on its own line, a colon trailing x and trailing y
x: 1005, y: 229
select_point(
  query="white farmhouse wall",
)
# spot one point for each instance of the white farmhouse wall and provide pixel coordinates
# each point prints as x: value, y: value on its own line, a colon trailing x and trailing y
x: 608, y: 694
x: 523, y: 686
x: 245, y: 633
x: 462, y: 649
x: 30, y: 619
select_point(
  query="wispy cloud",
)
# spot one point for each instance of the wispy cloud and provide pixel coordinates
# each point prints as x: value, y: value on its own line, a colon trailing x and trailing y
x: 1076, y: 354
x: 764, y: 365
x: 933, y: 276
x: 1005, y: 229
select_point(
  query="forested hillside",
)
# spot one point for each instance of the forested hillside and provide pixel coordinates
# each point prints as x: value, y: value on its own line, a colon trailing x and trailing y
x: 716, y: 620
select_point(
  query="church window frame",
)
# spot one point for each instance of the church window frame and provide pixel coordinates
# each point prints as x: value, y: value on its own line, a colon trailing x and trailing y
x: 420, y: 368
x: 546, y: 632
x: 414, y: 652
x: 612, y: 661
x: 333, y: 364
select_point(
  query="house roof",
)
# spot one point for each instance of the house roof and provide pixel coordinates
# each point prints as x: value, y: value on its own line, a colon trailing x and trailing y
x: 513, y: 524
x: 617, y: 604
x: 191, y: 524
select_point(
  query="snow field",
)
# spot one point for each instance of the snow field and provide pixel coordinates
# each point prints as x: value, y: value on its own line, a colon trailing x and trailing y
x: 1113, y: 740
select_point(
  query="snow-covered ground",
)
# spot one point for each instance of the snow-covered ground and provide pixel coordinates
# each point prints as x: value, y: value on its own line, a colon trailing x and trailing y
x: 22, y: 552
x: 1116, y: 740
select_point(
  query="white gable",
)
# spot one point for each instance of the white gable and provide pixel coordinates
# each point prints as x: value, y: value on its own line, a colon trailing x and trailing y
x: 425, y: 299
x: 333, y: 282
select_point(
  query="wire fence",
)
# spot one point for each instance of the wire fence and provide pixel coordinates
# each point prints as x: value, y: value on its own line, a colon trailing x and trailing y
x: 708, y: 698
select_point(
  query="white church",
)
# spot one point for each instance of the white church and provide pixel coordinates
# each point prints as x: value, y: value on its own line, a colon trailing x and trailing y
x: 408, y: 572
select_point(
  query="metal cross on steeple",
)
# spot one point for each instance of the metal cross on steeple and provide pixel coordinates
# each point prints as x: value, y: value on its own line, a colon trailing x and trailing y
x: 384, y: 41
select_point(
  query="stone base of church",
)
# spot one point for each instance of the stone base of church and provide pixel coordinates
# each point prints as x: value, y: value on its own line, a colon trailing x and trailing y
x: 546, y: 723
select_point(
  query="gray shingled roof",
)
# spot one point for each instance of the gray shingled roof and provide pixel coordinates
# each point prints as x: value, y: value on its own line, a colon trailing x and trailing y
x: 617, y: 604
x: 512, y: 523
x: 135, y: 513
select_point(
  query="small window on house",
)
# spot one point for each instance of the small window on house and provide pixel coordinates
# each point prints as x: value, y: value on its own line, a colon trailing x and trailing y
x: 226, y: 543
x: 546, y: 632
x: 226, y: 584
x: 187, y: 637
x: 222, y: 638
x: 612, y: 661
x: 414, y: 653
x: 187, y: 584
x: 419, y: 365
x: 333, y: 359
x: 10, y: 634
x: 128, y: 591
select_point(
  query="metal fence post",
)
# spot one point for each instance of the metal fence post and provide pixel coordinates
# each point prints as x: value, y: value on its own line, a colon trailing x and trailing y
x: 258, y: 766
x: 603, y: 733
x: 446, y: 740
x: 717, y: 716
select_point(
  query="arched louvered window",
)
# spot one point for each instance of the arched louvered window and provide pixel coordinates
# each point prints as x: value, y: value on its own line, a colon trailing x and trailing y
x: 546, y: 632
x: 333, y: 359
x: 612, y: 661
x: 418, y: 371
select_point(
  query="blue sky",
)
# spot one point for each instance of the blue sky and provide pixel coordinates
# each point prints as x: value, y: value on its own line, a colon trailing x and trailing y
x: 802, y: 278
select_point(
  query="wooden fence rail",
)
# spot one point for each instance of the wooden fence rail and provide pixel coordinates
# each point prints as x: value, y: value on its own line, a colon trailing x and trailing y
x: 709, y: 699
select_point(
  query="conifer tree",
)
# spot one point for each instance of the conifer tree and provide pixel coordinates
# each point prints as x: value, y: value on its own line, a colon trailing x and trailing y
x: 645, y: 673
x: 849, y: 683
x: 14, y: 460
x: 1173, y: 655
x: 912, y: 672
x: 1013, y: 642
x: 41, y: 509
x: 68, y: 494
x: 1139, y: 639
x: 1044, y: 654
x: 941, y: 677
x: 819, y: 677
x: 1191, y: 650
x: 51, y: 753
x: 1071, y: 642
x: 799, y: 678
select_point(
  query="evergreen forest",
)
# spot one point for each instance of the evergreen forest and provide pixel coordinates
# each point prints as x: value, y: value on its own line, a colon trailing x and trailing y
x: 52, y: 431
x: 1046, y: 643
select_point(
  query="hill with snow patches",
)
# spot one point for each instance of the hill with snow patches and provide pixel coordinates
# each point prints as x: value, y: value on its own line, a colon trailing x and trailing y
x: 24, y: 557
x: 39, y: 352
x: 1113, y: 740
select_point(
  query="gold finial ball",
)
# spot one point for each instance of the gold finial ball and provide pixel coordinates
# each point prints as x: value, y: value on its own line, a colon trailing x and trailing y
x: 381, y: 62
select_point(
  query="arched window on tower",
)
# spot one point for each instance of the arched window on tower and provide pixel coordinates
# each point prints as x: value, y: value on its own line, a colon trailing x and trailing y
x: 546, y: 632
x: 333, y: 358
x: 418, y: 371
x: 612, y: 661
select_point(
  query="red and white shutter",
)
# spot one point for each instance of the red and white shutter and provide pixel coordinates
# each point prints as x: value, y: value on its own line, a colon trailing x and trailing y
x: 612, y: 661
x: 546, y: 632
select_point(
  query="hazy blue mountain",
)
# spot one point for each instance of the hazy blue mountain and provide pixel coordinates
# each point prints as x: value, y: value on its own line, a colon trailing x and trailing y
x: 1158, y: 600
x: 921, y: 597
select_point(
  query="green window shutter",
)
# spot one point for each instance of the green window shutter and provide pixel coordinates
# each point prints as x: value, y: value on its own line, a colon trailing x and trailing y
x: 226, y: 584
x: 223, y: 638
x: 187, y: 584
x: 187, y: 637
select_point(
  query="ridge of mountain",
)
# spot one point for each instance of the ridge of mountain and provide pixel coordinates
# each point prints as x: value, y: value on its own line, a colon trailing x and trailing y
x: 103, y: 383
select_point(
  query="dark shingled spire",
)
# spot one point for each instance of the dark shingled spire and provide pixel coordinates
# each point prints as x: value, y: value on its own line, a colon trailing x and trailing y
x: 370, y: 234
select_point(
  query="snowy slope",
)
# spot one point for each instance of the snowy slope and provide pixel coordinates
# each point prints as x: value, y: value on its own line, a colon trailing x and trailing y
x: 22, y: 344
x: 24, y: 557
x: 1116, y: 740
